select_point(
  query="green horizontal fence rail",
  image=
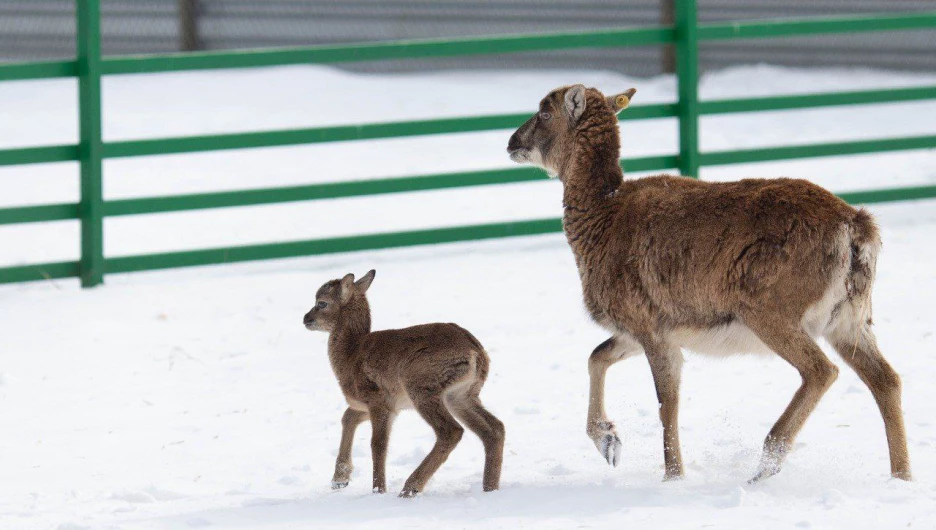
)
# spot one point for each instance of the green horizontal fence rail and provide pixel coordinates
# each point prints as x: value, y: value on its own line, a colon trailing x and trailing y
x: 686, y: 34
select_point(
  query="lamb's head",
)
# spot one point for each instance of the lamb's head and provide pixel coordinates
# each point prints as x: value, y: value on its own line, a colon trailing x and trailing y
x: 547, y: 139
x: 339, y: 299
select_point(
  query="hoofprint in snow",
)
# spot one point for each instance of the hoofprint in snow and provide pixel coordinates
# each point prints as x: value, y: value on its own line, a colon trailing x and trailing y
x: 195, y: 398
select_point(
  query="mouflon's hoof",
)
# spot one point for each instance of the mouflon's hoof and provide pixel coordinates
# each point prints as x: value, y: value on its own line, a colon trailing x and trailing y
x: 610, y: 447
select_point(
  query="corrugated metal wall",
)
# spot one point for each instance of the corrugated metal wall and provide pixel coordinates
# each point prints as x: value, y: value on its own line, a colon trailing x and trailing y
x: 34, y: 29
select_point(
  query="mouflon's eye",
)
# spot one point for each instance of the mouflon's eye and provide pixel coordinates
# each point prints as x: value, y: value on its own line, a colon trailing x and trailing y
x: 321, y: 305
x: 545, y: 115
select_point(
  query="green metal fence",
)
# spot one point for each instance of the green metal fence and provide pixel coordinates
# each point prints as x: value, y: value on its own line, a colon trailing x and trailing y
x: 686, y: 34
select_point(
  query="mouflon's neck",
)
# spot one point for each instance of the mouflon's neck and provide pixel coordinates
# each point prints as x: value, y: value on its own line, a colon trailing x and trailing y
x: 593, y: 172
x: 354, y: 323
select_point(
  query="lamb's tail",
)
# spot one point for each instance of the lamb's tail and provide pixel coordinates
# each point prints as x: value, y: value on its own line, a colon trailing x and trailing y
x: 482, y: 361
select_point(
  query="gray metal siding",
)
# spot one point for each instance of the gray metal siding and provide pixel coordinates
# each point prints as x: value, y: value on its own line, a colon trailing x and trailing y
x: 36, y: 29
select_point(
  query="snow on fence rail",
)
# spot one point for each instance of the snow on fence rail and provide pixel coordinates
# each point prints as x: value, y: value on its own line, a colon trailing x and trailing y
x: 685, y: 34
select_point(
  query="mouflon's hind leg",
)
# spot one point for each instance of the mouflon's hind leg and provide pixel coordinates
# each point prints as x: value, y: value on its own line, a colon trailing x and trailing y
x: 343, y: 467
x: 790, y: 342
x: 599, y: 428
x: 859, y: 350
x: 448, y: 433
x: 469, y: 410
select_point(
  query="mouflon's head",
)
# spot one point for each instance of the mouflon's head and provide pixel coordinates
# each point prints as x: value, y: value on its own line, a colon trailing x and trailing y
x: 547, y: 139
x: 333, y: 297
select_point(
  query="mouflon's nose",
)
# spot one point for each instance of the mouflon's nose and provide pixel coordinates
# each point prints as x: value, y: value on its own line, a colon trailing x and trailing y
x: 514, y: 143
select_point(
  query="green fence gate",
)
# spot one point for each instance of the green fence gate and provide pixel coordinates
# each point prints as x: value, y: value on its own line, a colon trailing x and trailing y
x: 685, y: 34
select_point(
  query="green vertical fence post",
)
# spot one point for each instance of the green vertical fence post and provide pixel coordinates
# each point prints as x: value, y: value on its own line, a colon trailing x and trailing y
x: 687, y: 78
x: 91, y: 207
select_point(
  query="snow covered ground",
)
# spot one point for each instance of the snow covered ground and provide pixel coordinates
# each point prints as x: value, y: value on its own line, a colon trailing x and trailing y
x: 195, y: 398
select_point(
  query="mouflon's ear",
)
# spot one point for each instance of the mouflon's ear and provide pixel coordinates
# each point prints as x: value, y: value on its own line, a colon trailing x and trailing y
x: 575, y: 102
x: 619, y: 102
x: 347, y: 286
x: 364, y: 283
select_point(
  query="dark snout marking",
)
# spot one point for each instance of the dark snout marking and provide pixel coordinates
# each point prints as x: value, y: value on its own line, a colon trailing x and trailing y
x: 514, y: 142
x: 516, y: 139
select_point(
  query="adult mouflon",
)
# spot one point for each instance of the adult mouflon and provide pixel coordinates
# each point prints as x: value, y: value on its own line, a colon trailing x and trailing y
x: 718, y: 268
x: 438, y: 369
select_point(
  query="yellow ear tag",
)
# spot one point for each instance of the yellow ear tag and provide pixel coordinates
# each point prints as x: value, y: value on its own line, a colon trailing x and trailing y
x: 621, y: 101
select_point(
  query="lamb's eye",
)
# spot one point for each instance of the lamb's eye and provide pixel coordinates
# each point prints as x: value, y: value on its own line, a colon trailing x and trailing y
x: 545, y: 115
x: 321, y: 305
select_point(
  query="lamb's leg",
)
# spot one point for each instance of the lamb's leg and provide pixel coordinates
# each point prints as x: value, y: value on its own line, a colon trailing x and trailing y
x: 599, y: 428
x: 343, y: 467
x: 381, y: 421
x: 666, y: 367
x: 796, y: 347
x: 448, y: 434
x: 472, y: 413
x: 860, y: 351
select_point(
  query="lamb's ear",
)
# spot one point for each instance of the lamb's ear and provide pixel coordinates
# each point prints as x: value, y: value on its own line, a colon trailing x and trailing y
x: 347, y: 286
x: 575, y: 102
x: 365, y: 281
x: 619, y: 102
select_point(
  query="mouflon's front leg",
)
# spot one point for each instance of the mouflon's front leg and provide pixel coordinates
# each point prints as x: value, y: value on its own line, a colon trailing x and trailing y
x: 599, y: 428
x: 343, y: 467
x: 666, y: 363
x: 381, y: 421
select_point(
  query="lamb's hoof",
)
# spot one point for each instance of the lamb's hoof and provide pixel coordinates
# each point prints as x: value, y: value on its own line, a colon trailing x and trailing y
x: 336, y: 485
x: 610, y: 447
x: 379, y: 490
x: 408, y: 493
